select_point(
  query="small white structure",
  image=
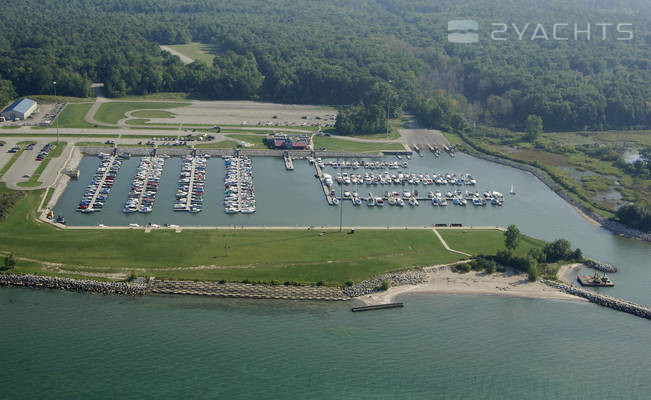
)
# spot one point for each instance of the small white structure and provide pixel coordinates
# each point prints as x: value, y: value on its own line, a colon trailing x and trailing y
x: 20, y: 109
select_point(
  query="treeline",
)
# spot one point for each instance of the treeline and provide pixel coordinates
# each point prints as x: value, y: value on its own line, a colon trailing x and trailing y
x: 334, y: 52
x: 635, y: 216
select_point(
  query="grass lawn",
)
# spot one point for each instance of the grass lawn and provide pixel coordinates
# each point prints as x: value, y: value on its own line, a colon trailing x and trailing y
x: 335, y: 144
x: 224, y: 144
x: 256, y: 255
x: 54, y: 153
x: 480, y: 241
x: 158, y: 96
x: 153, y: 114
x: 73, y: 116
x: 112, y: 112
x: 196, y: 51
x: 256, y: 140
x: 10, y: 126
x: 93, y: 144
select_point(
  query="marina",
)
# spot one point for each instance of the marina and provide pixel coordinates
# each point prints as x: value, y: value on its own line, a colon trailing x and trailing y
x: 239, y: 194
x: 144, y: 185
x: 97, y: 192
x: 189, y: 192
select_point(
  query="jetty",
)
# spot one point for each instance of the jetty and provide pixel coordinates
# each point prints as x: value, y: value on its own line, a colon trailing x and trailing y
x: 377, y: 307
x: 289, y: 163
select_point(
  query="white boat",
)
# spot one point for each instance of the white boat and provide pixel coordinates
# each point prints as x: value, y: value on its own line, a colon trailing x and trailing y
x: 512, y: 191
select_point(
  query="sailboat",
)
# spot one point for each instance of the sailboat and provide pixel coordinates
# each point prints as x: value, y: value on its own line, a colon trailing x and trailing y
x: 512, y: 191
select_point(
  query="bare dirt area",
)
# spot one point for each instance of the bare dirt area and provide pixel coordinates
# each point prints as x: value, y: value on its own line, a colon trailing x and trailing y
x: 247, y: 113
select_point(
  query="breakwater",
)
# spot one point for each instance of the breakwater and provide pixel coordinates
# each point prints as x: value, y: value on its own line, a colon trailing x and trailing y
x: 613, y: 226
x: 600, y: 266
x: 602, y: 300
x: 247, y: 290
x: 77, y: 285
x: 413, y: 277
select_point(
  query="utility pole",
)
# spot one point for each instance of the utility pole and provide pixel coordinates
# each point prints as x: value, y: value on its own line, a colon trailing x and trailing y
x: 55, y: 104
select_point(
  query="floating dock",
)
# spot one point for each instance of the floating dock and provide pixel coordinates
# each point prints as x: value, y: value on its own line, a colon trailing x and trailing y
x: 289, y: 163
x: 377, y: 307
x: 595, y: 280
x: 324, y: 186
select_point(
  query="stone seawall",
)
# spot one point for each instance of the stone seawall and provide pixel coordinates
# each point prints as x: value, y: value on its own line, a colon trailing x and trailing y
x: 600, y: 266
x: 613, y: 226
x: 602, y: 300
x: 77, y: 285
x: 250, y: 291
x: 373, y: 285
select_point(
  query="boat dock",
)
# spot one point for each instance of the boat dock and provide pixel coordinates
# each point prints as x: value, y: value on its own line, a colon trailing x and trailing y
x: 100, y: 187
x: 189, y: 194
x: 239, y: 195
x: 324, y: 182
x: 289, y: 163
x: 144, y: 185
x: 377, y: 307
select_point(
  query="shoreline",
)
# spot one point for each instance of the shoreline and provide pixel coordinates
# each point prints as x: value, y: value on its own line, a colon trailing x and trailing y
x: 442, y: 280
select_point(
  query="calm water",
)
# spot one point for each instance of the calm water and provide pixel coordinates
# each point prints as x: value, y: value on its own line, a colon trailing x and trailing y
x: 63, y: 345
x: 60, y: 345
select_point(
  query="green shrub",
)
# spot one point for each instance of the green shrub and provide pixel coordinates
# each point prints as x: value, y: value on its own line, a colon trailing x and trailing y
x: 385, y: 285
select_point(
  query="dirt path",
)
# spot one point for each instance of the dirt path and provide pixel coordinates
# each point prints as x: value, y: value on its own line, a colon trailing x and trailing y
x: 446, y: 245
x: 184, y: 59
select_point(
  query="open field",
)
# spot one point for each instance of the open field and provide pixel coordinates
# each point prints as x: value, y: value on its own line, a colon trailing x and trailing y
x: 256, y: 255
x: 334, y: 144
x: 73, y: 116
x: 224, y: 144
x: 485, y: 242
x: 196, y: 51
x: 153, y: 114
x: 157, y: 96
x: 112, y: 112
x: 256, y: 140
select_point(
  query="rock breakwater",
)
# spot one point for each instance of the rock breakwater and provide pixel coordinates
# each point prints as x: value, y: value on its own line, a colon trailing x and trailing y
x: 602, y: 300
x: 78, y: 285
x: 600, y: 266
x: 413, y: 277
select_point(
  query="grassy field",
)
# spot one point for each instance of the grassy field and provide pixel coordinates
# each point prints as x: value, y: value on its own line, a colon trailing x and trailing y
x: 153, y: 114
x: 54, y: 153
x: 196, y: 51
x: 92, y: 144
x: 158, y: 96
x: 43, y: 98
x: 256, y: 140
x: 335, y: 144
x: 112, y: 112
x: 73, y: 116
x: 225, y: 144
x: 11, y: 126
x: 484, y: 241
x: 256, y: 255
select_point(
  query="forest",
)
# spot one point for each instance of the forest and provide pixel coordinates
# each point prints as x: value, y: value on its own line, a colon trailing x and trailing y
x: 354, y: 55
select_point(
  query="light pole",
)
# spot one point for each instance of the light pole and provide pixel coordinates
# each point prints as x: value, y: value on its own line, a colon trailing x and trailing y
x: 55, y: 104
x: 388, y: 105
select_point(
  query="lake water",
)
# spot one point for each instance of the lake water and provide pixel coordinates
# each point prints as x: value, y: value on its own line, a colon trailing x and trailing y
x: 61, y: 345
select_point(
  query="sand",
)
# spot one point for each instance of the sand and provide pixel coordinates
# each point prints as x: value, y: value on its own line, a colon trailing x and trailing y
x: 442, y: 280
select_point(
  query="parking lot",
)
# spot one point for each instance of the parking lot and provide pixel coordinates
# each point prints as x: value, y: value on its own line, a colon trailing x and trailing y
x: 26, y: 164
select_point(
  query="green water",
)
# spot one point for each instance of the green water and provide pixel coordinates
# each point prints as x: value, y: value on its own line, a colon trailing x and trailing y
x: 60, y: 345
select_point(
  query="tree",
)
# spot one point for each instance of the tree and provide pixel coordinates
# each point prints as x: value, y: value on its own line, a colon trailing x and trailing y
x: 512, y: 237
x: 10, y: 262
x: 533, y: 126
x: 558, y: 250
x: 532, y: 272
x: 385, y: 285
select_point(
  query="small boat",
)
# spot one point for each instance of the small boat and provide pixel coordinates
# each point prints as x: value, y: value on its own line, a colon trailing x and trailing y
x: 512, y: 191
x: 335, y: 201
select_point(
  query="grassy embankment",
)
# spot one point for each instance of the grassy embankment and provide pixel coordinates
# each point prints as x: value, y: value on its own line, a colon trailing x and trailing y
x: 112, y: 112
x: 54, y: 153
x: 335, y: 144
x: 584, y: 164
x: 254, y: 255
x: 73, y: 117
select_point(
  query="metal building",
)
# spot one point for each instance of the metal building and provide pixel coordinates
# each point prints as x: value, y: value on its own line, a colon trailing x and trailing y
x: 20, y: 109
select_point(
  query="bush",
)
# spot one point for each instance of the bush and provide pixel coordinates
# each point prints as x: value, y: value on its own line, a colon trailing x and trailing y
x: 132, y: 276
x: 10, y: 261
x: 385, y: 285
x: 533, y: 273
x: 462, y: 268
x: 349, y: 283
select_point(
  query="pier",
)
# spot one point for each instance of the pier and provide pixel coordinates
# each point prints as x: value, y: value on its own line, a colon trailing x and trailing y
x: 377, y: 307
x: 100, y: 187
x: 238, y: 186
x: 289, y: 163
x: 189, y: 194
x: 322, y: 180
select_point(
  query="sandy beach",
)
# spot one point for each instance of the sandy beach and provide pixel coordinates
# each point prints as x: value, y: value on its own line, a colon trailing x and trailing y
x: 565, y: 270
x: 443, y: 280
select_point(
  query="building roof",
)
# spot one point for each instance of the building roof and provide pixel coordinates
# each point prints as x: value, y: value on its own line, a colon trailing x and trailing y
x: 21, y: 106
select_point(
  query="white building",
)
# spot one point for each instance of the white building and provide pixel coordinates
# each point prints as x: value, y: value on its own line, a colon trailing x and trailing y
x: 20, y: 109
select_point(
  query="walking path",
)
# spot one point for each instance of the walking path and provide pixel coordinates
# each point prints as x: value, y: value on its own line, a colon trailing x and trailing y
x: 184, y: 59
x: 448, y: 247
